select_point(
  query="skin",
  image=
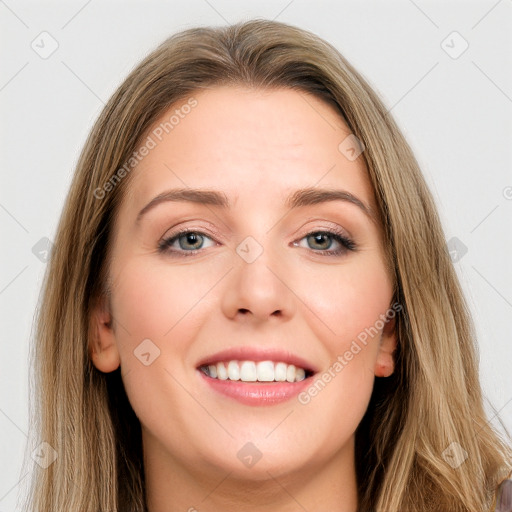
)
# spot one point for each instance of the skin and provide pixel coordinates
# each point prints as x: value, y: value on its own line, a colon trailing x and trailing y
x: 257, y: 147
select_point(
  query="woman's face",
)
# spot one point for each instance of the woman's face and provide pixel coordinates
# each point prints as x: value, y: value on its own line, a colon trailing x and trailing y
x: 261, y: 276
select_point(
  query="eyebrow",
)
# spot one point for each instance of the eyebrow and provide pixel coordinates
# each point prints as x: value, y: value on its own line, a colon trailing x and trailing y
x: 299, y: 198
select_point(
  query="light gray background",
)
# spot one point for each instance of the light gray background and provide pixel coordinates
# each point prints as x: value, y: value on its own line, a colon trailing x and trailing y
x: 455, y: 112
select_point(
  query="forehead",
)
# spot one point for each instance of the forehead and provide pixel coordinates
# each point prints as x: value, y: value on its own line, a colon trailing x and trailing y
x: 247, y: 142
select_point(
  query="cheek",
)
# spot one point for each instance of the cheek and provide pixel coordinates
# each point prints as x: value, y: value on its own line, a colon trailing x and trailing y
x: 348, y: 299
x: 153, y: 300
x: 337, y: 400
x: 159, y: 310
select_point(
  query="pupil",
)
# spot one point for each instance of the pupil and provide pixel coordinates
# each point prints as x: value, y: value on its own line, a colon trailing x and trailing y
x: 318, y: 238
x: 191, y: 238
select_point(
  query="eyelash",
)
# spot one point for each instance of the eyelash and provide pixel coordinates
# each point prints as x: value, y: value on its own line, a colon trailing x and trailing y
x: 347, y: 244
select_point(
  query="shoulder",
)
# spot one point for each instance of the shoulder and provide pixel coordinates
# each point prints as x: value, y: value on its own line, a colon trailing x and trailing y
x: 504, y: 496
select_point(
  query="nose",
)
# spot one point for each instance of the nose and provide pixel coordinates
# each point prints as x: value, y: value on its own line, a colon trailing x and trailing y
x: 259, y: 291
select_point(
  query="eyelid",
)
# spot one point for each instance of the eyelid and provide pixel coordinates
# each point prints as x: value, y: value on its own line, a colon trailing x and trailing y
x: 328, y: 226
x: 175, y: 231
x: 214, y: 232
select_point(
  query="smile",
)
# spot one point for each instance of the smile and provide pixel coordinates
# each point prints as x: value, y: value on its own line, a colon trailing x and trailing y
x: 260, y: 383
x: 255, y: 371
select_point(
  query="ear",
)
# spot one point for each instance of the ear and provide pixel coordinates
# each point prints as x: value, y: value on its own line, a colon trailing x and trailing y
x: 102, y: 341
x: 385, y: 364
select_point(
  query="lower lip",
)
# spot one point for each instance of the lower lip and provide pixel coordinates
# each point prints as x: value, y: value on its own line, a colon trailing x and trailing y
x: 256, y: 393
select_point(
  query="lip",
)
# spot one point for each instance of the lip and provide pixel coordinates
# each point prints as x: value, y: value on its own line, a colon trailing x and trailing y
x: 257, y: 394
x: 257, y: 354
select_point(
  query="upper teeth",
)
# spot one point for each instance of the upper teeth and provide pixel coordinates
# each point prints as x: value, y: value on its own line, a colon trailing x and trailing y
x: 251, y: 371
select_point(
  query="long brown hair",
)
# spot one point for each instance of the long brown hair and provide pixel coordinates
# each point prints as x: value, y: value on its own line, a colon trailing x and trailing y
x: 432, y: 400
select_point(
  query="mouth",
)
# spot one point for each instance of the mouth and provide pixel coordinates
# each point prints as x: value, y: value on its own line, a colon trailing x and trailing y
x: 256, y: 376
x: 256, y: 371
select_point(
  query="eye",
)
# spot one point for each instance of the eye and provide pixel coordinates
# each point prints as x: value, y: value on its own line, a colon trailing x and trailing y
x: 183, y: 241
x: 322, y: 241
x: 189, y: 242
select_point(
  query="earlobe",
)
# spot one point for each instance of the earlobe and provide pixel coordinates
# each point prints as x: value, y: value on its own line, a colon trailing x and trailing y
x: 102, y: 341
x: 385, y: 364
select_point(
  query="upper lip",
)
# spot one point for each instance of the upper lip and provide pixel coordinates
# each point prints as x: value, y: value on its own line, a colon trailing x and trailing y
x: 257, y: 354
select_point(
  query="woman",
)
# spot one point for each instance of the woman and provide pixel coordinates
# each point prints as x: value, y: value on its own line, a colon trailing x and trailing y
x: 250, y: 303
